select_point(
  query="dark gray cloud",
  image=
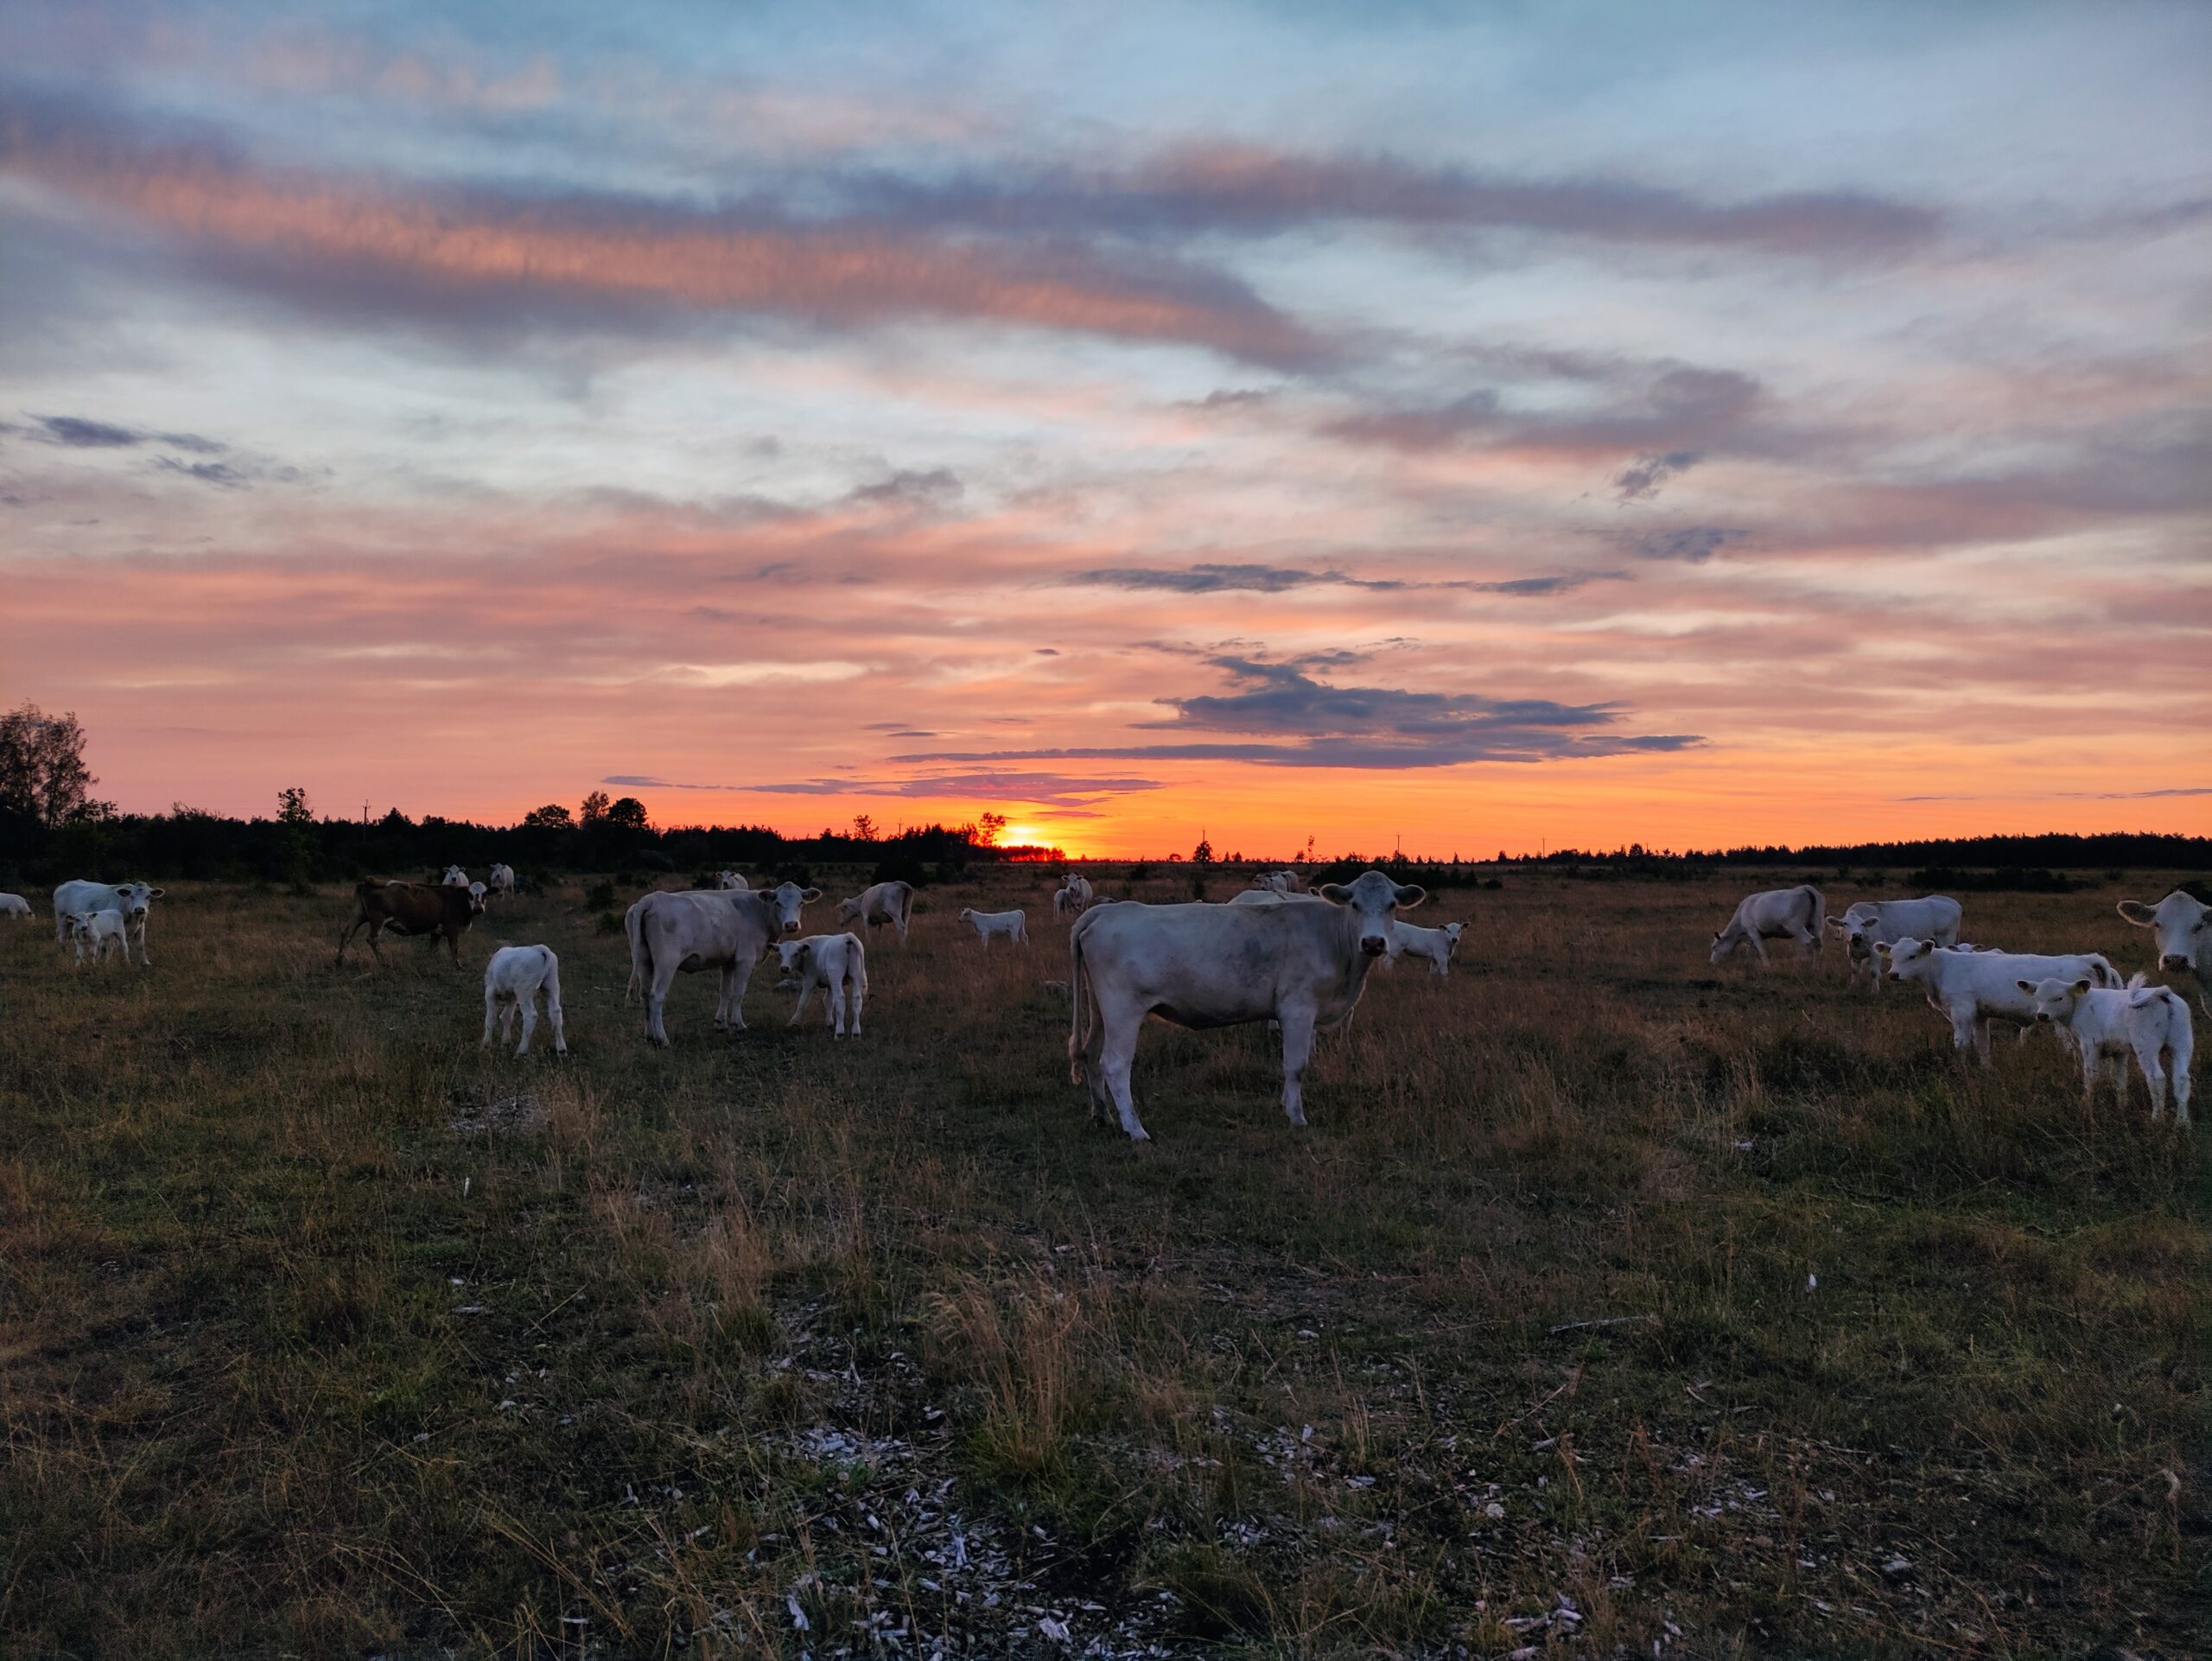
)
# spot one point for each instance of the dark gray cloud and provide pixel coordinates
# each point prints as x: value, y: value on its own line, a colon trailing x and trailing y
x: 81, y: 433
x: 1678, y: 408
x: 1640, y: 482
x: 1279, y: 579
x: 936, y: 487
x: 1694, y: 544
x: 1225, y: 188
x: 1315, y: 724
x: 1058, y: 790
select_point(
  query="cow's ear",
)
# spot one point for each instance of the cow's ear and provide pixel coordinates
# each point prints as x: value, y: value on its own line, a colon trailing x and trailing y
x: 808, y: 896
x: 1881, y: 948
x: 156, y: 893
x: 1410, y: 894
x: 2080, y: 987
x: 1335, y: 892
x: 1838, y: 924
x: 2138, y: 913
x: 2026, y: 986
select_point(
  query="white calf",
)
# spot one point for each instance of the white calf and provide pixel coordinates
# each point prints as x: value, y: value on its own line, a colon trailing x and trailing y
x: 1065, y: 904
x: 2151, y: 1021
x: 512, y: 980
x: 503, y: 881
x: 104, y: 931
x: 454, y: 877
x: 1798, y: 914
x: 1005, y: 925
x: 835, y: 963
x: 732, y: 880
x: 1437, y: 946
x: 13, y: 905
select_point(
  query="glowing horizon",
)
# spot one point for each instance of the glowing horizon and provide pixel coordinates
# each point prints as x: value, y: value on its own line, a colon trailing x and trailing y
x: 1717, y: 428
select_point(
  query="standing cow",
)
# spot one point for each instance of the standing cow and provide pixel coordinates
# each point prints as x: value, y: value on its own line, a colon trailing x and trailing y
x: 513, y: 976
x: 1301, y: 962
x: 707, y: 928
x: 1799, y: 914
x: 134, y: 900
x: 885, y: 902
x: 1869, y: 923
x: 2182, y: 929
x: 436, y: 909
x: 501, y: 881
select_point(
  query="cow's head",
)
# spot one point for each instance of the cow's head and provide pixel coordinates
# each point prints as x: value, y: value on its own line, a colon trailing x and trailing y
x: 132, y: 899
x: 795, y: 955
x: 1908, y: 959
x: 1374, y: 900
x: 475, y: 899
x: 1452, y: 931
x: 2054, y: 999
x: 783, y: 902
x: 454, y: 877
x: 849, y: 909
x: 2183, y: 927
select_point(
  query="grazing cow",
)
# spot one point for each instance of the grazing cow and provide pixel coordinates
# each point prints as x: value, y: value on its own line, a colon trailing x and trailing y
x: 835, y: 963
x: 1007, y: 925
x: 512, y: 977
x: 1303, y: 963
x: 1279, y: 881
x: 502, y: 880
x: 1065, y: 904
x: 1870, y: 923
x: 13, y: 905
x: 454, y: 877
x: 104, y: 931
x: 2183, y: 937
x: 1976, y: 989
x: 885, y: 902
x: 435, y: 909
x: 1798, y: 914
x: 134, y: 900
x: 2152, y: 1022
x: 727, y: 880
x: 1438, y: 946
x: 706, y: 929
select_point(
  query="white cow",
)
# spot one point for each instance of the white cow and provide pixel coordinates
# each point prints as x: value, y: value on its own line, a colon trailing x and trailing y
x: 1279, y: 881
x: 134, y: 900
x: 454, y: 877
x: 1437, y: 946
x: 1798, y: 914
x: 1303, y: 963
x: 1079, y: 886
x: 1065, y: 904
x: 885, y: 902
x: 476, y: 892
x: 835, y: 963
x: 729, y: 879
x: 1870, y: 923
x: 1003, y: 925
x: 13, y: 905
x: 512, y: 980
x: 705, y: 928
x: 1258, y: 897
x: 1976, y: 989
x: 2183, y: 937
x: 2152, y: 1022
x: 503, y: 879
x: 104, y: 931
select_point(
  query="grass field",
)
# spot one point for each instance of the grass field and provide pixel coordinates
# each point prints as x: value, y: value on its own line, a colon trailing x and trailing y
x: 1611, y: 1301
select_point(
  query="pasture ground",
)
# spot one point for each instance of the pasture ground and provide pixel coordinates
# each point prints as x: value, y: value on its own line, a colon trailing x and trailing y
x: 1610, y: 1303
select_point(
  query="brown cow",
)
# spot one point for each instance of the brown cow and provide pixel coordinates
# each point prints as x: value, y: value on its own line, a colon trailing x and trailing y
x: 430, y: 908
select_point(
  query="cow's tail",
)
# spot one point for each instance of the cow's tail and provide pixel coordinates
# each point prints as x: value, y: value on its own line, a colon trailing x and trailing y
x: 2102, y: 971
x: 641, y: 957
x: 1819, y: 917
x: 1078, y: 1034
x: 906, y: 907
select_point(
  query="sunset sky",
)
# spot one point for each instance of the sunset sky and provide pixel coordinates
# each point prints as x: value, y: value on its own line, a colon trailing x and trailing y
x: 1475, y: 426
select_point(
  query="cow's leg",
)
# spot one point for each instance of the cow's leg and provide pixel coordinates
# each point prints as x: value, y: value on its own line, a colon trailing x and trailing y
x: 453, y: 945
x: 737, y: 977
x: 2154, y: 1074
x: 2178, y: 1069
x: 1297, y: 1049
x: 491, y: 1014
x: 528, y: 1005
x: 833, y: 995
x: 657, y: 997
x: 854, y: 994
x: 1116, y: 1052
x: 553, y: 1014
x: 358, y: 918
x: 1759, y: 946
x: 145, y: 959
x: 1984, y: 1029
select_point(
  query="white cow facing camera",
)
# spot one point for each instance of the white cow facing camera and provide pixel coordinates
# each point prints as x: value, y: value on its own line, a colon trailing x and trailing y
x: 512, y: 980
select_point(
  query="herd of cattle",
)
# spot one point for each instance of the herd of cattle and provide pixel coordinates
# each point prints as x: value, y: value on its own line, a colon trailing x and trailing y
x: 1275, y: 952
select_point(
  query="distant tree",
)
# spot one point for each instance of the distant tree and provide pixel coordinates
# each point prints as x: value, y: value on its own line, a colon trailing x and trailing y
x: 1203, y: 854
x: 863, y: 828
x: 42, y: 773
x: 990, y: 827
x: 628, y: 813
x: 552, y: 816
x: 292, y: 807
x: 594, y: 808
x: 396, y: 820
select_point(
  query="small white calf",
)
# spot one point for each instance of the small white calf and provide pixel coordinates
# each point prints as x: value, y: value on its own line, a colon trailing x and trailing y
x: 1976, y: 989
x: 2151, y: 1021
x: 1279, y: 881
x: 104, y: 931
x: 13, y: 905
x: 502, y: 880
x: 512, y: 981
x: 1065, y: 904
x: 1798, y: 914
x: 1870, y: 923
x: 1437, y: 946
x: 1004, y: 924
x: 835, y: 963
x: 454, y: 877
x: 731, y: 880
